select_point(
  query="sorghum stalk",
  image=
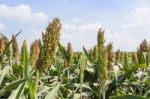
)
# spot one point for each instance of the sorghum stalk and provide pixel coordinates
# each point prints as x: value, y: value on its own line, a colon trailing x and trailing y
x: 50, y: 42
x: 24, y: 59
x: 82, y: 67
x: 69, y: 56
x: 102, y: 62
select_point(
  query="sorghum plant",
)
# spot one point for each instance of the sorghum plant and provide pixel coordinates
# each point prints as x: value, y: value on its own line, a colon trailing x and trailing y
x: 50, y: 41
x: 102, y: 62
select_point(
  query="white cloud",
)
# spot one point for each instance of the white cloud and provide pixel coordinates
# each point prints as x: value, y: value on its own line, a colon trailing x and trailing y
x: 86, y: 35
x: 21, y: 12
x: 82, y: 28
x: 30, y: 35
x: 80, y: 35
x: 138, y: 18
x: 121, y: 40
x: 40, y: 17
x: 2, y: 26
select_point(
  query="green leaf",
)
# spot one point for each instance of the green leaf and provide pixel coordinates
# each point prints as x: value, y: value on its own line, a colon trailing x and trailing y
x: 5, y: 71
x: 18, y: 92
x: 25, y: 60
x: 141, y: 65
x: 89, y: 57
x: 26, y: 71
x: 53, y: 92
x: 62, y: 51
x: 11, y: 87
x: 147, y: 81
x: 128, y: 97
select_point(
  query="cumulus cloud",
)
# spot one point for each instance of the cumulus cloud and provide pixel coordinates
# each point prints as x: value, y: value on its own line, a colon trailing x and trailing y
x: 21, y: 12
x: 138, y: 18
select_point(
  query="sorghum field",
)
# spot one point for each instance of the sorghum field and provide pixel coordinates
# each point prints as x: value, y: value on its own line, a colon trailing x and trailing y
x: 48, y: 70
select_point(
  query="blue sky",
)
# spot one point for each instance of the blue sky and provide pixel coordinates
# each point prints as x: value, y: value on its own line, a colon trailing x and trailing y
x: 126, y: 22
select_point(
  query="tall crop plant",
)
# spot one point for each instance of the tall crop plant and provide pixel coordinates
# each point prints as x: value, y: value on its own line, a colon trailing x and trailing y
x: 102, y: 63
x: 50, y: 42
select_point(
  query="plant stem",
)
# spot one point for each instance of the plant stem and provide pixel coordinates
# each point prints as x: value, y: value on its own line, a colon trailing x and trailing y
x: 36, y: 81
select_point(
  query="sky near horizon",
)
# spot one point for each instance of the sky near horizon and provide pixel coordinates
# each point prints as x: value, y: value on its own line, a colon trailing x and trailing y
x: 126, y: 22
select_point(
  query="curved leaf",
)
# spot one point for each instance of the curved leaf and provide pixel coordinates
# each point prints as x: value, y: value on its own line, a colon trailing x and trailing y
x: 11, y: 87
x: 53, y: 92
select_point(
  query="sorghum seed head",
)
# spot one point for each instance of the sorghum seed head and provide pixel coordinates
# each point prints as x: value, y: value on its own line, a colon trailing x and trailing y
x: 102, y: 59
x: 15, y: 47
x: 23, y: 49
x: 51, y: 39
x: 95, y: 51
x: 100, y: 37
x: 110, y: 56
x: 2, y: 46
x: 69, y: 52
x: 144, y: 46
x: 34, y: 52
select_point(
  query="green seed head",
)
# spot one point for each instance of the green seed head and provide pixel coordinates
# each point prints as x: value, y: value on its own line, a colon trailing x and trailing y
x: 110, y: 56
x: 110, y: 53
x: 102, y: 60
x: 100, y: 37
x: 23, y: 49
x: 95, y: 51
